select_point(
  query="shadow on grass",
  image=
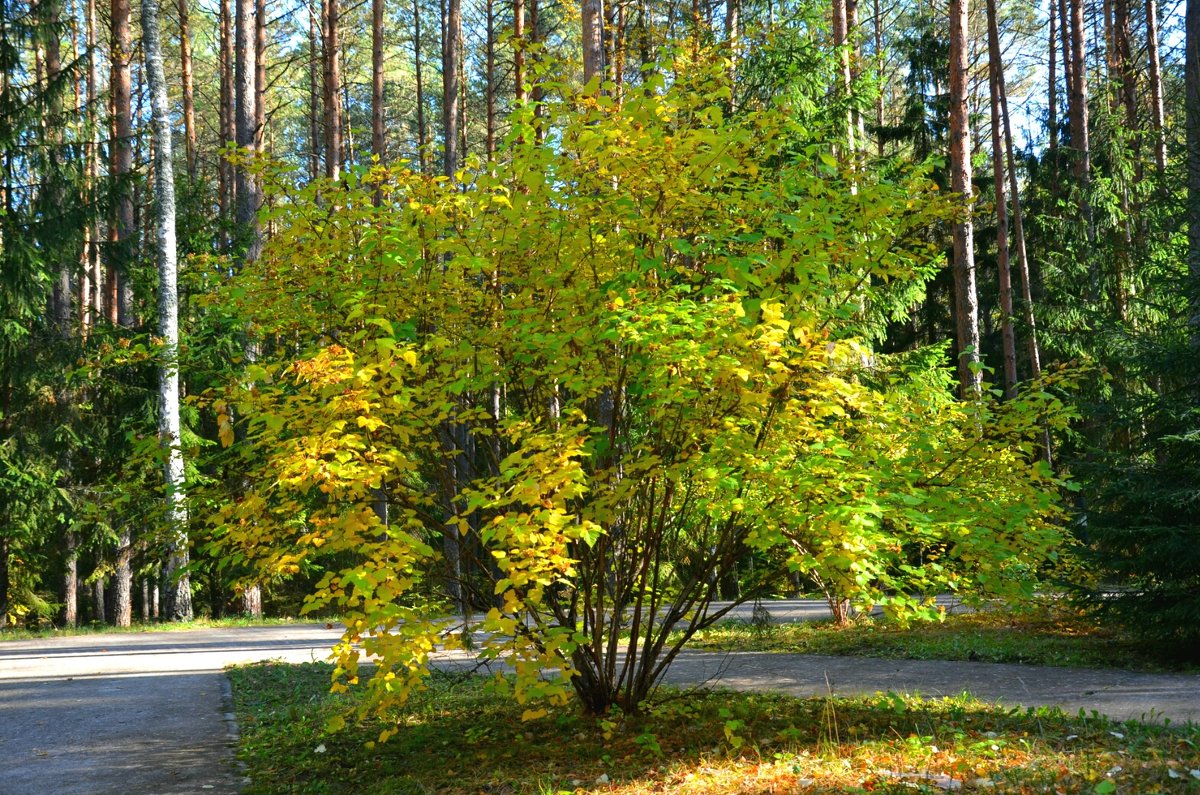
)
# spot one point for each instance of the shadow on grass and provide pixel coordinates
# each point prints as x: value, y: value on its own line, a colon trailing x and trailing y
x: 457, y: 737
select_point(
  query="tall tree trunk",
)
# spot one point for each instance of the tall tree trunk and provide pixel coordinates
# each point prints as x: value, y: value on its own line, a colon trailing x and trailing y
x: 451, y: 37
x: 124, y: 229
x: 966, y: 302
x: 996, y: 79
x: 1080, y: 145
x: 377, y: 109
x: 332, y: 91
x: 260, y: 74
x: 518, y: 43
x: 228, y: 191
x: 60, y: 294
x: 246, y: 113
x: 5, y: 578
x: 69, y: 617
x: 593, y: 45
x: 841, y: 37
x: 733, y: 35
x: 1192, y: 123
x: 189, y: 105
x: 1079, y: 95
x: 315, y: 138
x: 1068, y: 60
x: 122, y: 606
x: 422, y: 134
x: 1052, y: 82
x: 91, y: 309
x: 1157, y: 117
x: 178, y: 594
x: 489, y: 89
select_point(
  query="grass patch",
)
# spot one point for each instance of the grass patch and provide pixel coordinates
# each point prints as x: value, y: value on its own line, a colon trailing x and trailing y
x: 1042, y: 637
x: 22, y: 633
x: 457, y: 738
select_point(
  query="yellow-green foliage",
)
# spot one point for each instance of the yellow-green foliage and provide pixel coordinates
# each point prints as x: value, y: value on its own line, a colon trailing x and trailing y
x: 653, y: 330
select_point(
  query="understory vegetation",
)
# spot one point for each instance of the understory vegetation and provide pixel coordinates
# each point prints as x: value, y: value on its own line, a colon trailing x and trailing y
x: 455, y: 736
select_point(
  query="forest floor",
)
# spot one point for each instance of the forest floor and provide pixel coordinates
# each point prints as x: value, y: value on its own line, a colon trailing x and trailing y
x: 150, y: 713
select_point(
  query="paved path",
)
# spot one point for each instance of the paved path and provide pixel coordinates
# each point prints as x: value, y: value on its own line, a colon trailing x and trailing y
x: 130, y: 714
x: 145, y: 713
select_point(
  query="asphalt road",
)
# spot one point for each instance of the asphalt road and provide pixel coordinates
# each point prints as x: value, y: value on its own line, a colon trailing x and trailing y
x: 136, y: 714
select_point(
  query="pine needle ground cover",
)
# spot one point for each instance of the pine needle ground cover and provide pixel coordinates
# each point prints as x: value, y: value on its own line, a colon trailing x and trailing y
x: 455, y: 737
x: 1057, y: 637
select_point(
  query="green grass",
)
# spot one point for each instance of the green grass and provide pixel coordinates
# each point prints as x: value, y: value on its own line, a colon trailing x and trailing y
x: 458, y: 738
x: 22, y: 633
x: 1040, y: 637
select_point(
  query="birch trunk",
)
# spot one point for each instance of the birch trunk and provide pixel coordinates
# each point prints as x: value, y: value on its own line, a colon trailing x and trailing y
x: 178, y: 594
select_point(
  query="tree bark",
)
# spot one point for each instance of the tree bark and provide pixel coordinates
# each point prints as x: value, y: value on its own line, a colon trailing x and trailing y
x: 315, y: 138
x: 996, y: 80
x: 260, y: 75
x: 120, y: 53
x: 332, y: 91
x: 966, y: 302
x: 99, y: 615
x: 489, y: 89
x: 1157, y: 116
x: 189, y: 104
x: 178, y: 594
x: 522, y: 94
x: 246, y: 113
x: 1052, y: 82
x: 251, y: 601
x: 841, y: 35
x: 377, y: 108
x: 1192, y: 124
x: 69, y: 617
x: 422, y: 134
x: 593, y: 44
x: 451, y: 55
x: 228, y: 133
x: 123, y: 578
x: 1079, y: 96
x: 5, y: 578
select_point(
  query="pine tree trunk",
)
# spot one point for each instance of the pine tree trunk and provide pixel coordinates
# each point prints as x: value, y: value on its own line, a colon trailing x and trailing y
x: 251, y: 601
x: 179, y: 593
x: 1192, y: 124
x: 98, y: 602
x: 841, y: 34
x: 315, y: 138
x: 189, y: 104
x: 246, y: 114
x: 1157, y: 117
x: 593, y: 45
x: 489, y: 89
x: 227, y: 193
x: 1035, y: 359
x: 260, y: 75
x: 1079, y: 95
x: 123, y: 230
x: 996, y: 79
x: 69, y: 617
x: 451, y: 37
x: 518, y: 43
x: 332, y: 90
x: 123, y: 580
x: 5, y: 578
x: 422, y: 133
x: 377, y: 109
x: 1052, y: 82
x: 966, y: 302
